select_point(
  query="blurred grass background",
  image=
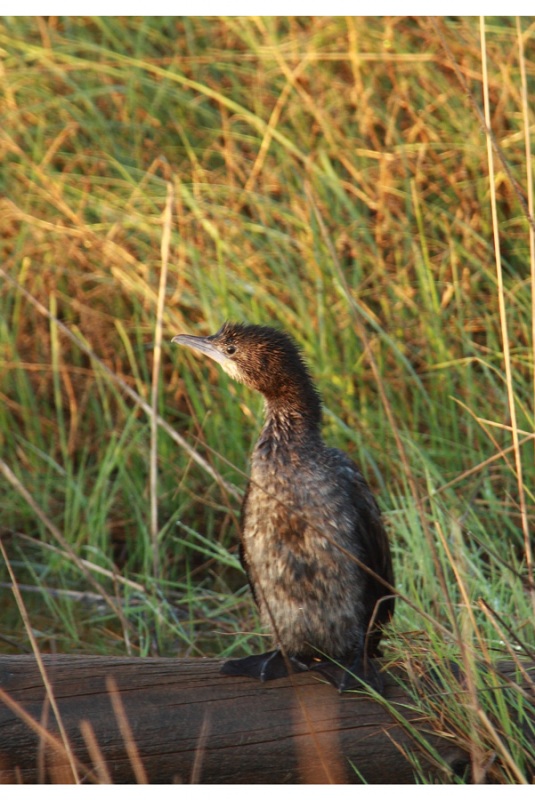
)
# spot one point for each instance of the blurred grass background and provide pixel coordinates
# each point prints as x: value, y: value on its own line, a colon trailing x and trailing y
x: 330, y: 176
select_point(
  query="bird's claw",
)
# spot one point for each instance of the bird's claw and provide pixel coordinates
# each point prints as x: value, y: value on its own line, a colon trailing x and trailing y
x: 273, y: 665
x: 351, y: 676
x: 264, y: 667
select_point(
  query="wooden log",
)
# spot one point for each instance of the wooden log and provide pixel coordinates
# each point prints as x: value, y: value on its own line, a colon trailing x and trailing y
x: 179, y: 720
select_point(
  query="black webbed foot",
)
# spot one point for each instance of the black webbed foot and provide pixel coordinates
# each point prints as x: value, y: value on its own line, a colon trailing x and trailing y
x: 350, y: 674
x: 359, y: 671
x: 264, y: 667
x: 352, y: 670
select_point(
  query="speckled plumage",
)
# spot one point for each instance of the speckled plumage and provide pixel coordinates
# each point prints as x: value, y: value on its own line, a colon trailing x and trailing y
x: 307, y: 510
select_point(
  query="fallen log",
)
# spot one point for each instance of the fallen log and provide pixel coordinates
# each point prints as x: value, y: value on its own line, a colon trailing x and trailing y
x: 127, y: 720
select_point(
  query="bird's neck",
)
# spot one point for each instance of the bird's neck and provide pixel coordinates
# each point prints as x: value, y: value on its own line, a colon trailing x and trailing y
x: 292, y: 420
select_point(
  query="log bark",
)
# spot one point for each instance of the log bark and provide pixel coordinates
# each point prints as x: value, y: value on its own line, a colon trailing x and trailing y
x: 179, y: 720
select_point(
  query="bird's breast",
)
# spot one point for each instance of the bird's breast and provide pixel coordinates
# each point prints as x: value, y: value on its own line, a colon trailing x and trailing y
x: 306, y: 587
x: 293, y: 518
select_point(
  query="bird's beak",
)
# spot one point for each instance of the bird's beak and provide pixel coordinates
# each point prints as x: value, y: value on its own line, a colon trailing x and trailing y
x: 202, y: 344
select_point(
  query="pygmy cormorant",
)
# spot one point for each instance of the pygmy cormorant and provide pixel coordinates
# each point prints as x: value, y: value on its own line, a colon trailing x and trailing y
x: 308, y: 516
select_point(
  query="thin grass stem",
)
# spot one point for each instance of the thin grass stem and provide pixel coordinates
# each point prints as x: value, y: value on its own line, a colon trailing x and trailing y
x: 503, y: 318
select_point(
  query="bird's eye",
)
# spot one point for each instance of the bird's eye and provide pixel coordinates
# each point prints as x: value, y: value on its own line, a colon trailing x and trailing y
x: 231, y: 349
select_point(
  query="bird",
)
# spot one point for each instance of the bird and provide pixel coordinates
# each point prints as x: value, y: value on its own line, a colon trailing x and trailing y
x: 312, y: 540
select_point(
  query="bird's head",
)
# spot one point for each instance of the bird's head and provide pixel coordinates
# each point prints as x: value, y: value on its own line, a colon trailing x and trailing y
x: 263, y: 358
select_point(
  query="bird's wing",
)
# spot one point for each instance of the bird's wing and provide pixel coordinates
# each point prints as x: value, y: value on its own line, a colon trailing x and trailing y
x: 375, y: 547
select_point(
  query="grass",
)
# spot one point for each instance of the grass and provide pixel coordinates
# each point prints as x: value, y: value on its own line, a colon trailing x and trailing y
x: 327, y: 175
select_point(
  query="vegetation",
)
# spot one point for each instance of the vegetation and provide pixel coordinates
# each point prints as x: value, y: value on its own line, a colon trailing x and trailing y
x: 331, y: 176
